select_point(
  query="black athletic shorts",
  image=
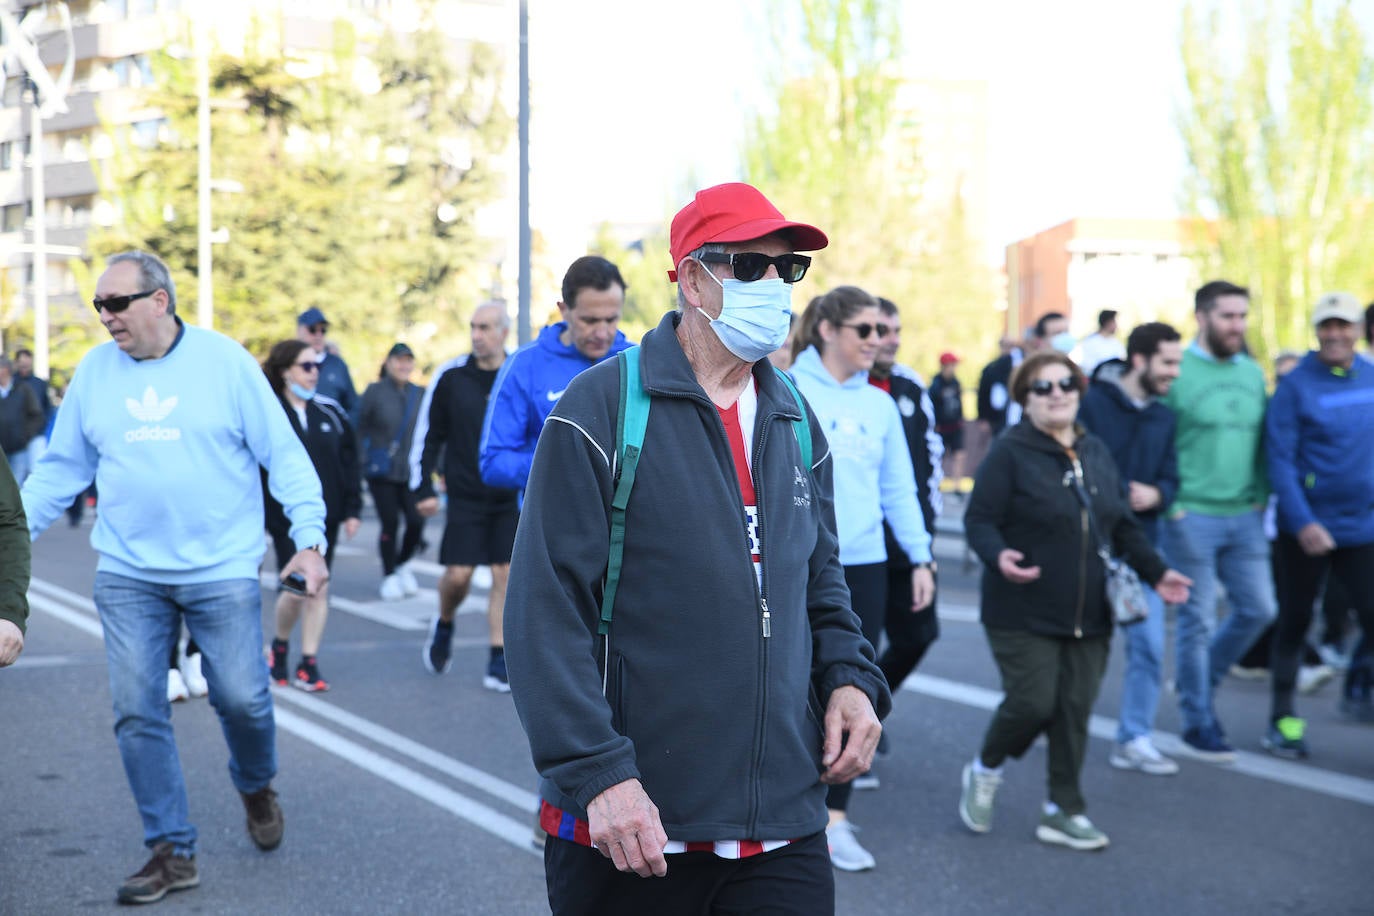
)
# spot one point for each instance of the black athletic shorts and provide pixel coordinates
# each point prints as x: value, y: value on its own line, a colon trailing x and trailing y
x: 478, y: 535
x: 286, y: 548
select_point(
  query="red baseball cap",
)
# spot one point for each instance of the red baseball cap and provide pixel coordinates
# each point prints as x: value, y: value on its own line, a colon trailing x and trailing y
x: 733, y: 212
x: 948, y: 358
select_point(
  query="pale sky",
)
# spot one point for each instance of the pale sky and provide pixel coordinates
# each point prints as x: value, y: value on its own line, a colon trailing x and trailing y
x: 631, y: 97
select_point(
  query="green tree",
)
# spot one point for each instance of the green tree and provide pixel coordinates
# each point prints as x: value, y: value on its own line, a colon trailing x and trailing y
x: 838, y: 150
x: 1280, y: 145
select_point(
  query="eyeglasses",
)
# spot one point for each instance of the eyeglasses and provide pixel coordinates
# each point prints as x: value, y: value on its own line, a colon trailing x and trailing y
x: 752, y: 265
x: 318, y: 328
x: 308, y: 366
x: 863, y: 330
x: 116, y: 304
x: 1043, y: 387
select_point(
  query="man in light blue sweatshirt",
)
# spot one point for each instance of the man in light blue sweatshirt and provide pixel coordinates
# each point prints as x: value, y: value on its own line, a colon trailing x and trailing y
x: 172, y: 423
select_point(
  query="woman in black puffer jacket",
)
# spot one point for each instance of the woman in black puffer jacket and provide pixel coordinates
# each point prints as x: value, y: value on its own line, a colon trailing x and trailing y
x: 1044, y: 604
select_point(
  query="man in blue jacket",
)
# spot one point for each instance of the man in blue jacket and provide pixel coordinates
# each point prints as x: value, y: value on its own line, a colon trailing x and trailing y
x: 1317, y: 438
x: 685, y: 745
x: 535, y: 376
x: 1124, y: 411
x: 174, y: 422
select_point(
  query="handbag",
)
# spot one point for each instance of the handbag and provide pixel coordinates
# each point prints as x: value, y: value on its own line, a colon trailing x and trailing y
x: 379, y: 457
x: 1125, y: 594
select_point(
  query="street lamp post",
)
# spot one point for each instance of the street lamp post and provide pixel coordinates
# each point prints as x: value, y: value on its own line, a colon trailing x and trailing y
x: 205, y: 307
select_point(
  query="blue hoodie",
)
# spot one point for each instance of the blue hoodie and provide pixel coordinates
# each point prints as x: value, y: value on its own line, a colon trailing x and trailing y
x: 873, y: 475
x: 531, y: 381
x: 175, y: 445
x: 1317, y: 441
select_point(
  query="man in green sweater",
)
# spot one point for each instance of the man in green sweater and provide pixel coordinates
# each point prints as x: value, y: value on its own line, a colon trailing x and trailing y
x: 14, y: 570
x: 1215, y: 531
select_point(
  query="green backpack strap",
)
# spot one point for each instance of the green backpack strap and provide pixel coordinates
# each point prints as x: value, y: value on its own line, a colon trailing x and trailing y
x: 633, y: 419
x: 801, y: 427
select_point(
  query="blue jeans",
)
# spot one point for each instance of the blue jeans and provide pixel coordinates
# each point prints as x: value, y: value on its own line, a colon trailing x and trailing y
x: 1207, y: 549
x: 142, y: 620
x: 1144, y: 671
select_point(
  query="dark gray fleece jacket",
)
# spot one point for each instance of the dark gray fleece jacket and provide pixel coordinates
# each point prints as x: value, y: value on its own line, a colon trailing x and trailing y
x: 720, y: 719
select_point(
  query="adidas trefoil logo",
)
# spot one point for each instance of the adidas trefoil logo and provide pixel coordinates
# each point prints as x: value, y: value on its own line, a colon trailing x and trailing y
x: 151, y: 410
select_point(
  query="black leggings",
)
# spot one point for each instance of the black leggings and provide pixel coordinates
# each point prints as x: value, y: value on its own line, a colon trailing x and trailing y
x: 392, y: 499
x: 909, y: 634
x: 868, y: 596
x: 1302, y: 576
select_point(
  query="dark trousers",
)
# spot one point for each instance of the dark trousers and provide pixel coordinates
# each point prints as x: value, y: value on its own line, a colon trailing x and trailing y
x: 908, y: 635
x: 1050, y: 685
x: 393, y: 500
x: 868, y: 596
x: 795, y: 880
x: 1352, y: 567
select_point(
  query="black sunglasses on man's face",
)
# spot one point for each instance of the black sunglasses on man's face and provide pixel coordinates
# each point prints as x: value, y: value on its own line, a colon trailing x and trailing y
x: 116, y: 304
x: 752, y: 265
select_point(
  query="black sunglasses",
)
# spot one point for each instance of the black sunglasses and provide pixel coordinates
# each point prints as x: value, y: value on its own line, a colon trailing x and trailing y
x: 1043, y: 387
x: 752, y: 265
x: 863, y: 330
x: 116, y: 304
x: 309, y: 366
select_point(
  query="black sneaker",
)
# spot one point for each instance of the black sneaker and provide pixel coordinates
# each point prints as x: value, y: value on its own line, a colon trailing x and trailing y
x: 277, y: 662
x: 435, y: 654
x: 1209, y: 744
x: 265, y: 821
x: 165, y: 872
x: 495, y: 678
x: 308, y: 676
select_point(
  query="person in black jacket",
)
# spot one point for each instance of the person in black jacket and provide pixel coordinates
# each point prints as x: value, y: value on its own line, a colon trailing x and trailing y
x: 1044, y: 604
x: 322, y: 425
x: 1123, y: 410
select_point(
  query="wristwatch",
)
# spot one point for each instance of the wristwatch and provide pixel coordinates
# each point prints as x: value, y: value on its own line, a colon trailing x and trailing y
x: 320, y: 549
x: 930, y: 565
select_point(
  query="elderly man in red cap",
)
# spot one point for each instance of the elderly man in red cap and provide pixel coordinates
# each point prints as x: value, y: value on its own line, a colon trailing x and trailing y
x: 686, y: 728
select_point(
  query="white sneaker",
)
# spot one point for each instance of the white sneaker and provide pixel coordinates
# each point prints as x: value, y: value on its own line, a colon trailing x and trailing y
x: 1311, y: 677
x: 1334, y: 657
x: 845, y: 852
x: 196, y: 684
x: 391, y: 589
x: 1141, y: 754
x: 867, y: 782
x: 408, y: 583
x: 176, y: 686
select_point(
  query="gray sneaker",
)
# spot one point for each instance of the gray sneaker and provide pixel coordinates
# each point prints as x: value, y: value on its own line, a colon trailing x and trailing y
x: 845, y: 852
x: 165, y: 872
x: 1076, y: 832
x: 975, y: 802
x: 1140, y: 754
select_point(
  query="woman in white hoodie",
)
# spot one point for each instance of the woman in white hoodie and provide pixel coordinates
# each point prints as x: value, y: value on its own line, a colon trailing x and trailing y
x: 839, y: 336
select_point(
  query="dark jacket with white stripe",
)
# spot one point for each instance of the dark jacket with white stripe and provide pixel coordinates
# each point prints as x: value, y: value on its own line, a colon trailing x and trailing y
x: 333, y: 450
x: 927, y: 450
x: 720, y: 719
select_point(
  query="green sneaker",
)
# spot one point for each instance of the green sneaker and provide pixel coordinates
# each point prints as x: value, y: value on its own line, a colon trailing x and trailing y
x: 1076, y: 832
x: 975, y: 802
x: 1286, y: 738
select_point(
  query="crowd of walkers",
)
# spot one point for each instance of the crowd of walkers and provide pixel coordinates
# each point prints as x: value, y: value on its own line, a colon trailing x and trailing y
x: 1238, y: 507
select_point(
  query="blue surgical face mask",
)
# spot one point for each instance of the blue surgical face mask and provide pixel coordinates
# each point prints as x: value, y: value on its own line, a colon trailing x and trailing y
x: 305, y: 394
x: 754, y: 317
x: 1063, y: 342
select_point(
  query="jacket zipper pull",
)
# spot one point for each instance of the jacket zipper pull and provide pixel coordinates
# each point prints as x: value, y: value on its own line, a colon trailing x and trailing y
x: 767, y: 619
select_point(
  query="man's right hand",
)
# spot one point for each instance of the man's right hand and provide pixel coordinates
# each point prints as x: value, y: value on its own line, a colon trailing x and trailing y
x: 428, y: 507
x: 624, y: 827
x: 11, y: 643
x: 1315, y: 540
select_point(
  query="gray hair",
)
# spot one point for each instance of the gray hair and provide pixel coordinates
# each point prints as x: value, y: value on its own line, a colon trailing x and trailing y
x: 500, y: 306
x: 152, y: 274
x: 709, y: 247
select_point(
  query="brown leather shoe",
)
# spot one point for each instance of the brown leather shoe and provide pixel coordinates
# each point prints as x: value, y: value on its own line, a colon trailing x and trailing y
x: 265, y: 821
x: 164, y: 872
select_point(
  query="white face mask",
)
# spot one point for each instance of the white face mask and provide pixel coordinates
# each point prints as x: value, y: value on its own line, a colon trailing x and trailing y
x: 754, y: 317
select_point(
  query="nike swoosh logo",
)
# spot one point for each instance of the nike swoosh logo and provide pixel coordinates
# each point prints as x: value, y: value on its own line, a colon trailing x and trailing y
x: 555, y: 395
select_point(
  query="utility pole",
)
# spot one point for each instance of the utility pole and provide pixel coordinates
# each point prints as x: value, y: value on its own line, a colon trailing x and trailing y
x: 205, y: 305
x: 522, y: 323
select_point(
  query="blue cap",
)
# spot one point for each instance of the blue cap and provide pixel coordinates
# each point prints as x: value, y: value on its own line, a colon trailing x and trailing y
x: 311, y: 317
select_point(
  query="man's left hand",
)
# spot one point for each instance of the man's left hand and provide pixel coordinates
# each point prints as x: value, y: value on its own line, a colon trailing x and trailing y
x: 849, y: 713
x: 311, y: 565
x: 11, y: 643
x: 1143, y: 497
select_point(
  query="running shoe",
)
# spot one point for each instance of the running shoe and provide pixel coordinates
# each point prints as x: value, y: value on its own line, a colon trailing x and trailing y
x: 176, y: 686
x: 495, y: 678
x: 308, y: 677
x: 1312, y: 677
x: 975, y: 801
x: 1141, y: 754
x: 845, y: 852
x: 1286, y: 738
x: 165, y: 872
x: 409, y: 585
x: 391, y: 588
x: 438, y: 648
x: 1075, y: 832
x: 276, y: 659
x: 1208, y: 744
x: 867, y: 782
x: 196, y: 684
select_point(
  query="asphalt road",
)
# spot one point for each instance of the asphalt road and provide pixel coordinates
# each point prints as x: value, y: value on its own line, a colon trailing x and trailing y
x: 404, y: 792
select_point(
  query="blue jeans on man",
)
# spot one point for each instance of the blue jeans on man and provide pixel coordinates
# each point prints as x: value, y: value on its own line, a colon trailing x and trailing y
x: 1209, y: 549
x: 142, y: 620
x: 1144, y: 672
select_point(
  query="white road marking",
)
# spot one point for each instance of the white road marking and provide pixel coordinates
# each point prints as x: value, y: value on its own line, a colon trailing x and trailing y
x: 1298, y: 775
